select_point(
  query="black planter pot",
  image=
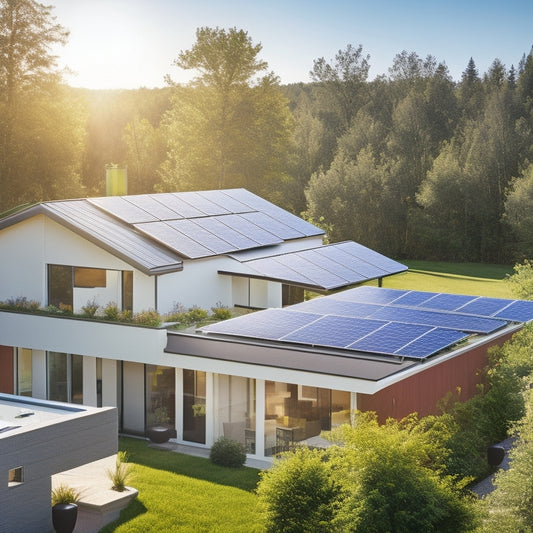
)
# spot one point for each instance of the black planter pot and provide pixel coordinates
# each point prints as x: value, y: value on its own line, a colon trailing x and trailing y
x: 495, y: 455
x: 64, y: 517
x: 159, y: 434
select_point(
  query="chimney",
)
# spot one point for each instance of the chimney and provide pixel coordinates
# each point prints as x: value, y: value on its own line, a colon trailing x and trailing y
x: 116, y: 180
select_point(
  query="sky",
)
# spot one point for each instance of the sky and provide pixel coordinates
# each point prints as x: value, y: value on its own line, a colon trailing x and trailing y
x: 128, y: 44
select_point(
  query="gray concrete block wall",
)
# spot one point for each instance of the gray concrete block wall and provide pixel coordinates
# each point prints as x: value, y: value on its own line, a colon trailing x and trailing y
x: 46, y: 450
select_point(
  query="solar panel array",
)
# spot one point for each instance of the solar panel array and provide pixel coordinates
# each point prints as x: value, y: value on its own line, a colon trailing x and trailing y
x: 207, y: 223
x: 326, y: 267
x: 411, y: 324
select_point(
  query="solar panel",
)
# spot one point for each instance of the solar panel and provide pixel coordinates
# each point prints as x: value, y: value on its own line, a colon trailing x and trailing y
x: 274, y: 226
x: 225, y: 200
x: 236, y: 239
x: 122, y: 209
x: 258, y: 234
x: 271, y: 268
x: 473, y: 324
x: 431, y: 342
x: 414, y: 298
x: 326, y: 306
x: 174, y: 202
x: 321, y: 257
x: 152, y: 206
x: 372, y: 257
x: 270, y: 324
x: 369, y: 294
x: 390, y: 338
x: 205, y: 238
x: 171, y: 237
x: 201, y: 203
x: 519, y: 311
x: 484, y: 306
x: 444, y: 302
x: 333, y: 331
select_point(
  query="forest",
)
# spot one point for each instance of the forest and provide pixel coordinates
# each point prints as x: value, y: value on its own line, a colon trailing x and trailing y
x: 412, y: 164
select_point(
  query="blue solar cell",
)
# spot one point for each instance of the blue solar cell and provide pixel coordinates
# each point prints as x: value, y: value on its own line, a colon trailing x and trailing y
x: 366, y: 270
x: 484, y: 306
x: 324, y: 257
x: 473, y: 324
x: 270, y: 324
x: 371, y: 257
x: 445, y: 302
x: 327, y: 306
x: 414, y: 298
x: 369, y: 294
x: 431, y: 342
x: 518, y: 311
x: 390, y: 338
x: 334, y: 331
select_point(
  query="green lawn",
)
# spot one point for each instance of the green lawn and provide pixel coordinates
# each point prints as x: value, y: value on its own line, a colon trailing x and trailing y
x: 458, y: 278
x: 190, y: 494
x: 186, y: 494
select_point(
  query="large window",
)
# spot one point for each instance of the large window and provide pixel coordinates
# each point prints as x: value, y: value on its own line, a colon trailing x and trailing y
x: 24, y: 372
x: 295, y: 413
x: 60, y: 285
x: 65, y: 377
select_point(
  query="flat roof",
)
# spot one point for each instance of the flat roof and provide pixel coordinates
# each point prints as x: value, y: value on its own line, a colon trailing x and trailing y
x: 23, y: 412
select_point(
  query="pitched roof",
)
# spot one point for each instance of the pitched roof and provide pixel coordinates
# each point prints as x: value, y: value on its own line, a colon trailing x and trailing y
x: 155, y: 232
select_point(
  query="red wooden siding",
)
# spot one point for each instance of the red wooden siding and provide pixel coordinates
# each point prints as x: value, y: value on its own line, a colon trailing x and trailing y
x: 421, y: 393
x: 6, y: 369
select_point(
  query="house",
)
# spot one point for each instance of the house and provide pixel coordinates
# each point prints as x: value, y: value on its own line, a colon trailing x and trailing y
x: 268, y: 378
x: 38, y: 439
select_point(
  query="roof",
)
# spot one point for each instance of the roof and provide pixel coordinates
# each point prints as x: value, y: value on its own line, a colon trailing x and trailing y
x: 156, y: 232
x: 321, y: 267
x: 365, y: 331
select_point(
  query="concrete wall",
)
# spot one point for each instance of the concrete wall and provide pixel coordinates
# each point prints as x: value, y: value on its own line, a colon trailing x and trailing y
x: 45, y: 450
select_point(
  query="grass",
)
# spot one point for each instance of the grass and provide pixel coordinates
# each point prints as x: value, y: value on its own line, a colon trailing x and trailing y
x: 181, y: 493
x: 459, y: 278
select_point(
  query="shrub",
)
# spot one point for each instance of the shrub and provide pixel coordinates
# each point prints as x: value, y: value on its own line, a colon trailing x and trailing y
x: 299, y: 493
x: 196, y: 314
x: 65, y: 494
x: 221, y: 312
x: 227, y: 452
x: 112, y: 312
x: 121, y: 473
x: 90, y: 308
x: 148, y: 318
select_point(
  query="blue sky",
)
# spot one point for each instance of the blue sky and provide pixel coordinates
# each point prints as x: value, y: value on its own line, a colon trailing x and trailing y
x: 132, y: 43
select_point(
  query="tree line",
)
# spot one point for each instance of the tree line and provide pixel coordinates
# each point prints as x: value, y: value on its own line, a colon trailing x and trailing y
x: 412, y: 163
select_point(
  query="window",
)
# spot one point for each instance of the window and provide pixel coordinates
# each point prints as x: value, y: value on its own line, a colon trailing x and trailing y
x: 160, y: 388
x: 24, y: 372
x: 15, y: 476
x: 60, y: 286
x: 65, y: 377
x: 89, y: 277
x: 127, y: 290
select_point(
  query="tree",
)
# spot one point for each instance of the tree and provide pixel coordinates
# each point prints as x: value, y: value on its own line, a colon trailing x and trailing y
x: 343, y: 80
x: 226, y: 129
x: 521, y: 281
x: 31, y: 106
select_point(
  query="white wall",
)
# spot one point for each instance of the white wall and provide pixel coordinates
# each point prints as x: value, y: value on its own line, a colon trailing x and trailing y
x: 133, y: 390
x: 21, y: 272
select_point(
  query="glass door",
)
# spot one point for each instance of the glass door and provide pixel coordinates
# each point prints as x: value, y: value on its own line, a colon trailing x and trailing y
x: 194, y: 389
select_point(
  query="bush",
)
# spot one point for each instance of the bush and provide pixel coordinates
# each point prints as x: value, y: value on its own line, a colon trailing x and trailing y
x: 148, y: 318
x: 220, y: 312
x: 299, y: 493
x: 112, y: 312
x: 227, y: 452
x: 90, y: 308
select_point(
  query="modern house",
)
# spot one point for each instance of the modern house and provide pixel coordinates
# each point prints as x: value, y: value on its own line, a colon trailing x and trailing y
x: 278, y: 375
x: 38, y: 439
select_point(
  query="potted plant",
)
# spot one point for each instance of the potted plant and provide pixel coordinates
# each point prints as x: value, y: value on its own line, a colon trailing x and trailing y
x: 157, y: 431
x: 65, y: 508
